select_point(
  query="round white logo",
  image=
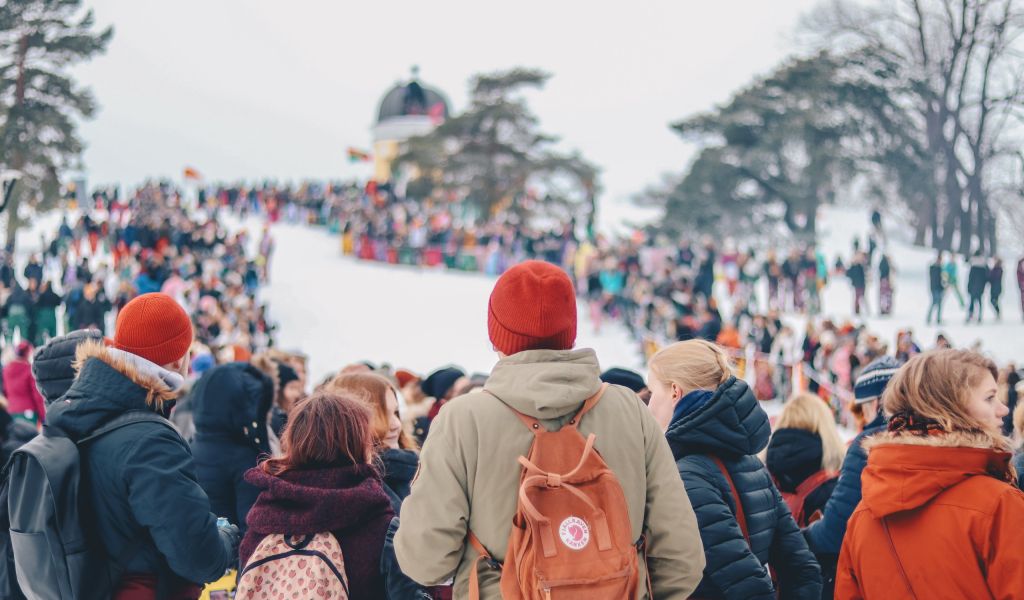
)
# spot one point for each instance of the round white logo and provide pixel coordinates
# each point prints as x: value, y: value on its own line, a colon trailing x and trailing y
x: 574, y: 533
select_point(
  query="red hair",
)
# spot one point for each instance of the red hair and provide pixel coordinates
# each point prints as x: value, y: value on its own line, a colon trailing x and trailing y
x: 327, y: 428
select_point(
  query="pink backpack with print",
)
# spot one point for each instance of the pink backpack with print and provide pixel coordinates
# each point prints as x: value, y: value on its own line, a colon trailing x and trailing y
x: 284, y: 567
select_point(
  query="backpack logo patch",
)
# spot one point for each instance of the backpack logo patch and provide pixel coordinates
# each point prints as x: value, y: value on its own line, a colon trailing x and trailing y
x: 575, y: 533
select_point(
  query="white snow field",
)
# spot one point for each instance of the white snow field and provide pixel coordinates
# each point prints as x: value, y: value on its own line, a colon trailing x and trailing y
x: 340, y: 310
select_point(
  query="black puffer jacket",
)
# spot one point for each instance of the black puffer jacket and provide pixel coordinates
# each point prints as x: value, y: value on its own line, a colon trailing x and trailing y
x: 140, y: 480
x: 229, y: 411
x: 733, y: 427
x: 793, y: 456
x: 53, y: 367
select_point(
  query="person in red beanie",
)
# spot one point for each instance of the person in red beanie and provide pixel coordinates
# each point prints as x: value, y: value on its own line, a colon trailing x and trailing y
x: 469, y: 476
x: 23, y: 398
x: 144, y: 500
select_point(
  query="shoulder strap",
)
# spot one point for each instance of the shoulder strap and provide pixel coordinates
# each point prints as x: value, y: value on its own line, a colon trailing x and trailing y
x: 813, y: 482
x: 741, y: 518
x: 899, y: 563
x: 482, y: 555
x: 128, y: 418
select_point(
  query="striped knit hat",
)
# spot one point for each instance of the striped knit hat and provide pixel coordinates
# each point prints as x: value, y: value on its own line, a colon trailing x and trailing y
x: 873, y: 379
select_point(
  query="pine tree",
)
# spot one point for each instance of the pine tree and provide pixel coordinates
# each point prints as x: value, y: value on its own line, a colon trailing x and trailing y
x: 39, y: 100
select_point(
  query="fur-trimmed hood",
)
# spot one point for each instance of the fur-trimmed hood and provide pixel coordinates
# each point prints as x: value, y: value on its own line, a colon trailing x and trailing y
x: 109, y: 383
x: 906, y: 471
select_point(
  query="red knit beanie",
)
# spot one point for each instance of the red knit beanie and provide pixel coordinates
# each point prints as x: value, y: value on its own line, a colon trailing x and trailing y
x: 154, y: 327
x: 532, y: 307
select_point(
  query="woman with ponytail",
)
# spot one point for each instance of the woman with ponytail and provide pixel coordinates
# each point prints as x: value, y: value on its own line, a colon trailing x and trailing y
x: 715, y: 428
x: 940, y: 516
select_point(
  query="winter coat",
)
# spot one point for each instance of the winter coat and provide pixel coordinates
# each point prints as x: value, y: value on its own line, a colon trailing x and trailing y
x: 20, y: 390
x: 91, y: 313
x: 53, y: 367
x: 469, y: 476
x: 858, y: 278
x: 935, y: 281
x: 826, y: 536
x: 1020, y: 274
x: 347, y: 501
x: 977, y: 277
x: 399, y: 468
x: 953, y: 520
x: 141, y: 480
x: 229, y: 412
x: 733, y: 427
x: 793, y: 456
x: 995, y: 282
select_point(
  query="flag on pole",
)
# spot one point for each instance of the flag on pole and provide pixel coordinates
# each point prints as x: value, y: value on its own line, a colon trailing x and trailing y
x: 355, y: 155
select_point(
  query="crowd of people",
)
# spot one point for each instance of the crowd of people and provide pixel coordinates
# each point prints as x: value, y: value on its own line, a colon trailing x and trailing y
x: 210, y: 465
x: 119, y: 249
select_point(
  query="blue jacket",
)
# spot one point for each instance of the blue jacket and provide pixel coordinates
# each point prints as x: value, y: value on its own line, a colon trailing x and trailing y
x: 141, y: 481
x: 733, y: 427
x: 825, y: 536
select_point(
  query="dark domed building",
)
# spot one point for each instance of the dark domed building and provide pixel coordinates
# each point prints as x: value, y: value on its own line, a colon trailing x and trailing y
x: 407, y: 110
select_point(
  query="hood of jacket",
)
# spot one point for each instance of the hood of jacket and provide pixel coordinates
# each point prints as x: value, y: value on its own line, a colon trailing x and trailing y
x: 731, y: 424
x: 546, y: 384
x: 227, y: 391
x: 309, y: 501
x: 793, y: 456
x: 905, y: 472
x: 54, y: 363
x: 110, y: 383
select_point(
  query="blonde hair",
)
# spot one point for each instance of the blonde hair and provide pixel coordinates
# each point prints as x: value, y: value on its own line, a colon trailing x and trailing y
x: 372, y: 389
x: 808, y: 412
x: 937, y: 385
x: 691, y: 365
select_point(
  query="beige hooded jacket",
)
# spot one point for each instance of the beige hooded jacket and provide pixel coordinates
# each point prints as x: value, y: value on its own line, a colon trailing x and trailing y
x: 469, y: 476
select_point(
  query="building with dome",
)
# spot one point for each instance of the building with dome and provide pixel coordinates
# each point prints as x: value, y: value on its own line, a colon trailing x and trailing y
x: 407, y: 110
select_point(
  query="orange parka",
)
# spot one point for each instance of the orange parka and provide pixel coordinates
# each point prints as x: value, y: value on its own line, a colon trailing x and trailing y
x: 939, y: 519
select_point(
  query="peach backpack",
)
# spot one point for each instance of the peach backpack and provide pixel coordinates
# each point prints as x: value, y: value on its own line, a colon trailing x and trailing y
x: 571, y: 537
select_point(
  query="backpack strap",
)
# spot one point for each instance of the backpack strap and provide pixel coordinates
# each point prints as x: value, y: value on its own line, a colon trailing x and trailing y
x: 128, y: 418
x: 474, y: 573
x: 741, y: 517
x: 806, y: 488
x: 896, y: 555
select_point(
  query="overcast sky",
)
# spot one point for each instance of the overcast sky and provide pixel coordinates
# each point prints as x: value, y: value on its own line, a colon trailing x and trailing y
x: 254, y: 88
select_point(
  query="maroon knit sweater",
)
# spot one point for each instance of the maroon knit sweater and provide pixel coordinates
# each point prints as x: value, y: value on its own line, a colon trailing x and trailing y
x: 350, y: 502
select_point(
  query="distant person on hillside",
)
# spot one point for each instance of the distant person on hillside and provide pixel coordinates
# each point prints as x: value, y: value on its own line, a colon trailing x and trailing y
x: 950, y: 271
x: 977, y: 281
x: 858, y: 279
x: 885, y: 271
x: 995, y: 287
x: 937, y: 285
x: 1020, y: 282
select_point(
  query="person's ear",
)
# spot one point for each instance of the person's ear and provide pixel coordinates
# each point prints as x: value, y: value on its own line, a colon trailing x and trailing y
x: 677, y: 393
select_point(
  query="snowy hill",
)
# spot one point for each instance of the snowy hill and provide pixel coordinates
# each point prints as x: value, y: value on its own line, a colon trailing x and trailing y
x: 340, y: 310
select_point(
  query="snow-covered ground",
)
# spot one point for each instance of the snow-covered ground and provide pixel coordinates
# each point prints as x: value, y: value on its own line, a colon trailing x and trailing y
x: 340, y: 310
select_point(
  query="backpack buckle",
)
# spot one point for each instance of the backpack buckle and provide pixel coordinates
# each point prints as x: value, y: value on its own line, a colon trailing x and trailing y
x: 493, y: 564
x: 554, y: 480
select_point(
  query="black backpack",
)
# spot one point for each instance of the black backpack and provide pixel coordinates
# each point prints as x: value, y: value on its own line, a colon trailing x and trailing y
x: 54, y: 557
